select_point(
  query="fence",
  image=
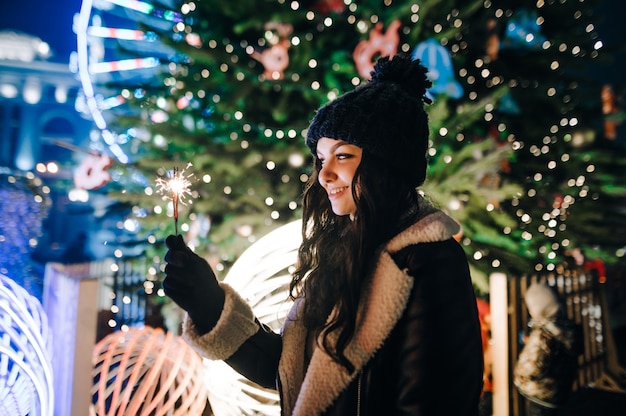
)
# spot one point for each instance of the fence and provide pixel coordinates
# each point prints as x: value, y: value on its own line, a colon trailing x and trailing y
x: 585, y: 301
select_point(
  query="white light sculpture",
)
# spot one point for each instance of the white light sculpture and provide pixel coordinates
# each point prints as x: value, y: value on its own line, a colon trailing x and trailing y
x: 261, y: 275
x: 26, y: 386
x: 145, y: 372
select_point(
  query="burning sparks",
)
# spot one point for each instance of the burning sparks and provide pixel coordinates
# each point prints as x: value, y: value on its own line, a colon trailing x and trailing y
x: 175, y: 187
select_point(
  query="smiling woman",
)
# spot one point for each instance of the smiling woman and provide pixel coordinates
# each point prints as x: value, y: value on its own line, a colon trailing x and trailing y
x: 339, y: 161
x: 381, y: 290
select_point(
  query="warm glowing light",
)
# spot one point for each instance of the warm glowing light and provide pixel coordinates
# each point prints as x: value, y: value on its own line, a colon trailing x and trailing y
x: 262, y: 275
x: 144, y: 371
x: 176, y: 187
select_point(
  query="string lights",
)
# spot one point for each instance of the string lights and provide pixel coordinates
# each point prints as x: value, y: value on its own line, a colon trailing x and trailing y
x: 217, y: 96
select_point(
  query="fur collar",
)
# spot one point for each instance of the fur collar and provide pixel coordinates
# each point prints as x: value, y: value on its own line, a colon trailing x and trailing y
x: 311, y: 391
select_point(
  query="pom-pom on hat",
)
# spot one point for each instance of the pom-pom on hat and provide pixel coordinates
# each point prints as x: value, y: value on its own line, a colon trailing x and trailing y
x: 385, y: 117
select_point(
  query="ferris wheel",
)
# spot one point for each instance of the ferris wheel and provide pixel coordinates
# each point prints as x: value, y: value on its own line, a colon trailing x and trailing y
x: 118, y: 49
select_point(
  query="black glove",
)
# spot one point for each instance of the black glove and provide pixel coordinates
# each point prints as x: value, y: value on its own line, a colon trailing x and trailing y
x: 191, y: 283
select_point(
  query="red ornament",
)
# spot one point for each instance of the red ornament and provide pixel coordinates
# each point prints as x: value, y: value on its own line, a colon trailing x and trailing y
x: 92, y: 173
x: 599, y: 267
x: 558, y: 200
x: 329, y: 6
x: 377, y: 44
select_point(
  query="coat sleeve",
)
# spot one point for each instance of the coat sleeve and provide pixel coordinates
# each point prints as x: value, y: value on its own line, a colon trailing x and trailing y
x: 437, y: 343
x: 239, y: 339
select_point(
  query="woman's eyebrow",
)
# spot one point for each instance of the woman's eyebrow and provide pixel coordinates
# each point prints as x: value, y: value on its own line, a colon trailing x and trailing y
x: 334, y: 147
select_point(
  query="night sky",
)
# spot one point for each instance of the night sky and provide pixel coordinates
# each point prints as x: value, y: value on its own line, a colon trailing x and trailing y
x: 50, y: 20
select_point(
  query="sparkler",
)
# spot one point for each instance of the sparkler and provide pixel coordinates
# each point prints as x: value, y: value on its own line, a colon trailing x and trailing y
x: 175, y: 187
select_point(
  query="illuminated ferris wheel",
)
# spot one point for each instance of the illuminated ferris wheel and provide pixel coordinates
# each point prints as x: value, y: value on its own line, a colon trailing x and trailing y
x: 118, y: 49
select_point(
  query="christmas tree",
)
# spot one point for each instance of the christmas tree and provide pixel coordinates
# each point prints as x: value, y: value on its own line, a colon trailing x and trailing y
x: 521, y: 154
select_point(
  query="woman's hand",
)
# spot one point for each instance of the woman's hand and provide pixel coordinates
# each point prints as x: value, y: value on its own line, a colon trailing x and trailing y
x: 191, y: 283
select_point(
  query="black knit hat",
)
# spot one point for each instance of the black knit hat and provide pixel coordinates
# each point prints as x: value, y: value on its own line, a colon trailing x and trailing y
x: 385, y: 117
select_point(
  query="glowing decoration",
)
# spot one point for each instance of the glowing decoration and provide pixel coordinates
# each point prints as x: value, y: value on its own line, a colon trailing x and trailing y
x: 92, y: 173
x: 101, y: 71
x: 82, y: 25
x: 261, y: 275
x: 275, y: 59
x: 112, y: 32
x: 26, y: 386
x: 176, y: 188
x: 123, y: 65
x: 437, y: 59
x: 599, y: 267
x: 523, y: 31
x: 609, y: 107
x: 508, y: 105
x: 149, y: 9
x: 378, y: 44
x: 492, y: 46
x: 329, y: 6
x: 144, y: 371
x: 25, y: 204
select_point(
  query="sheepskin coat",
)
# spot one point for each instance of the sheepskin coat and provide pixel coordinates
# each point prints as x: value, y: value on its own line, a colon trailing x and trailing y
x: 416, y: 350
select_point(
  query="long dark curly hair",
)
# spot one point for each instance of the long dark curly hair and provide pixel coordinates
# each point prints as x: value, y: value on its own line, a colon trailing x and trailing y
x: 336, y: 254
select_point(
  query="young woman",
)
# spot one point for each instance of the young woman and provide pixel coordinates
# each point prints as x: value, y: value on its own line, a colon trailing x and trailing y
x: 384, y: 320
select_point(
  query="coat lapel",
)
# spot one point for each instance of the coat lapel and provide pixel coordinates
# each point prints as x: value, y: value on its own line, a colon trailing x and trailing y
x: 383, y: 301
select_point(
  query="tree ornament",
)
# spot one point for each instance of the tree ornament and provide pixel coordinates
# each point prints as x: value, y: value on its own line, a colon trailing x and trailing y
x: 523, y: 31
x: 329, y: 6
x: 92, y: 173
x: 378, y: 44
x: 275, y: 59
x: 437, y: 59
x: 609, y: 107
x: 577, y: 256
x: 598, y: 266
x: 492, y: 46
x: 144, y: 371
x: 507, y: 104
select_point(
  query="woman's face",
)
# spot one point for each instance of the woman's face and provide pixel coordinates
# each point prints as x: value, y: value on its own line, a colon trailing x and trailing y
x: 339, y: 162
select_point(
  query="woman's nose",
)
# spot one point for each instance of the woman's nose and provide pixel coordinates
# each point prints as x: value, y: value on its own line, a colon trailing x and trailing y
x: 327, y: 172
